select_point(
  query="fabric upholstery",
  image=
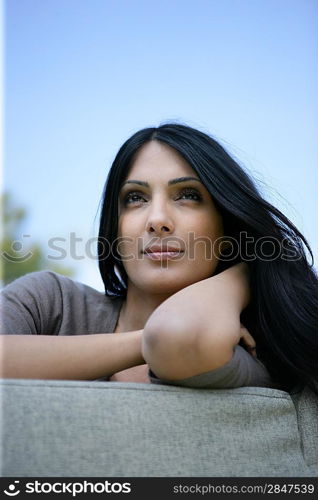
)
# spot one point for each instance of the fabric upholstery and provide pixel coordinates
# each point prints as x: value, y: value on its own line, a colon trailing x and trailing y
x: 96, y: 429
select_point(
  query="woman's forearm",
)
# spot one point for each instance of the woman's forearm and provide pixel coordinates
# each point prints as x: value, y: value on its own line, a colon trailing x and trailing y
x: 196, y: 329
x: 78, y: 357
x: 206, y: 303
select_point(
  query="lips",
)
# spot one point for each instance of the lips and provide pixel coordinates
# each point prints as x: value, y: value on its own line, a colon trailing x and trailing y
x: 162, y: 252
x: 162, y: 249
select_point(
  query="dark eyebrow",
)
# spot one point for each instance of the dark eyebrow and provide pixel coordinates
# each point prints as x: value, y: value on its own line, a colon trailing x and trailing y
x: 170, y: 183
x: 183, y: 179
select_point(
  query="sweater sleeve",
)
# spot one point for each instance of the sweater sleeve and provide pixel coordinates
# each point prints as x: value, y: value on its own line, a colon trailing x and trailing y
x: 242, y: 370
x: 31, y: 305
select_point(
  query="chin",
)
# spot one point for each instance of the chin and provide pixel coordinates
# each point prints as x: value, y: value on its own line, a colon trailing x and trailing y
x: 166, y: 281
x: 164, y: 285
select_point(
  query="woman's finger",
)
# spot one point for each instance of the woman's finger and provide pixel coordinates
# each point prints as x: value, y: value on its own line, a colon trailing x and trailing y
x: 248, y: 341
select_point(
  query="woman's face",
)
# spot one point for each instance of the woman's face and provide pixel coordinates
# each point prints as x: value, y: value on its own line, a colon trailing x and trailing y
x: 157, y: 208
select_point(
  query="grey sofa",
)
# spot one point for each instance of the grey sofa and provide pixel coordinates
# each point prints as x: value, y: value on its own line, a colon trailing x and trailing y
x: 98, y: 429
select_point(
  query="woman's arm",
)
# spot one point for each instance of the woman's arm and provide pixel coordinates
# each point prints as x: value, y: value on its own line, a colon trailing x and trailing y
x: 78, y: 357
x: 196, y: 329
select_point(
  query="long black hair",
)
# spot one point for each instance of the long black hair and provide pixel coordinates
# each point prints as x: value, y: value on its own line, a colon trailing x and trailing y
x: 282, y: 315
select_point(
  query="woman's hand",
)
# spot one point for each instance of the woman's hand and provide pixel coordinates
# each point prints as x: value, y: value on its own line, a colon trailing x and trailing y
x: 133, y: 374
x: 197, y: 329
x: 248, y: 341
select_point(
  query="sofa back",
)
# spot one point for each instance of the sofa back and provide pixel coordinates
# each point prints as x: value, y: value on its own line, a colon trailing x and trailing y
x: 98, y: 429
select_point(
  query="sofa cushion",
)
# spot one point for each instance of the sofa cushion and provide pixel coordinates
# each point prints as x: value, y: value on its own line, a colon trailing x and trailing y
x: 113, y: 429
x: 306, y: 403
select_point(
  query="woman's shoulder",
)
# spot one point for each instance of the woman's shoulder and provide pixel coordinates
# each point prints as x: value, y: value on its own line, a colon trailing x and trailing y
x: 47, y: 283
x: 32, y: 282
x: 50, y: 302
x: 38, y: 283
x: 48, y: 280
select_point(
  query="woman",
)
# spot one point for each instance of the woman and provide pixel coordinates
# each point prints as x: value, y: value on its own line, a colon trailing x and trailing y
x: 199, y: 270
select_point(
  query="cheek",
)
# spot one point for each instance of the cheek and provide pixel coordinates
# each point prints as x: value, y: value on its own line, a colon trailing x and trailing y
x: 204, y: 237
x: 128, y: 225
x: 128, y: 232
x: 206, y: 225
x: 124, y: 227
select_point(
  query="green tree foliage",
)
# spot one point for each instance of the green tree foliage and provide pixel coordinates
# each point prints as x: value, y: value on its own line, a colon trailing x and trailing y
x: 17, y: 257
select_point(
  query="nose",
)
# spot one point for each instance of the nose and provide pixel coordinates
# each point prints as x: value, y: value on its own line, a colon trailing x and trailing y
x: 159, y: 220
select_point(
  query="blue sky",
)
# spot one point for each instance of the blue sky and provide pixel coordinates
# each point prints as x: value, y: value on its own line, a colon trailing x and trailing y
x: 81, y: 76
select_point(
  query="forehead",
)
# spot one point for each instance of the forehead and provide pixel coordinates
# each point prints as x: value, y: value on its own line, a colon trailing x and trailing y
x: 155, y: 160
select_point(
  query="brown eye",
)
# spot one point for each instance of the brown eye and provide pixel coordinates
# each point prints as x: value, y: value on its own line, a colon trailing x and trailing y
x: 190, y: 194
x: 133, y: 197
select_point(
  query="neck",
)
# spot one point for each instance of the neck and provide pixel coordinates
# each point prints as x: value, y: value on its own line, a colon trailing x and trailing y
x: 137, y: 308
